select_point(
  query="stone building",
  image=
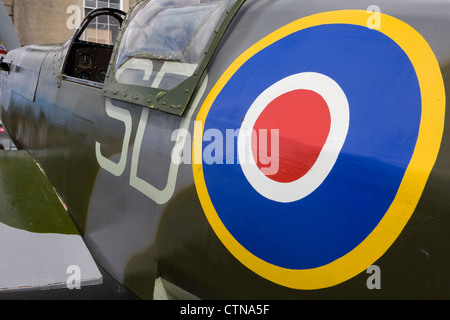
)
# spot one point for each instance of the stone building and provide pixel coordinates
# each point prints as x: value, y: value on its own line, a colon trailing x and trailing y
x: 53, y: 21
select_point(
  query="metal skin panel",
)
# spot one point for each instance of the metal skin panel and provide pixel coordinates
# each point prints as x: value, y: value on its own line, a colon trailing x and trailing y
x: 27, y: 70
x: 111, y: 163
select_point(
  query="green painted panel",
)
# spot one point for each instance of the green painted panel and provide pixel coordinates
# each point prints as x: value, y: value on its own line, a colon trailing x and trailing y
x: 27, y: 199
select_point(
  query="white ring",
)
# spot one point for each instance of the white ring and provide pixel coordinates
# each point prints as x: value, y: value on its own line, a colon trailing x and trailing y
x: 338, y: 106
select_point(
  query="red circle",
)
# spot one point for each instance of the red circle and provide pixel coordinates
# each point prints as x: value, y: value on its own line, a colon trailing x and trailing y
x: 303, y: 121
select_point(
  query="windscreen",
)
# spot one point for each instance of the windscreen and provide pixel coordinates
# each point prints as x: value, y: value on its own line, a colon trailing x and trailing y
x: 166, y: 40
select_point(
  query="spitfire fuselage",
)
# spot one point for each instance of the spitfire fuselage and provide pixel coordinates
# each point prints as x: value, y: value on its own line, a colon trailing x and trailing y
x: 211, y: 226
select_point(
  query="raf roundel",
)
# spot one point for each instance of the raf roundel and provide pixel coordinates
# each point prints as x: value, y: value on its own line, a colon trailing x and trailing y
x: 310, y: 114
x: 333, y: 145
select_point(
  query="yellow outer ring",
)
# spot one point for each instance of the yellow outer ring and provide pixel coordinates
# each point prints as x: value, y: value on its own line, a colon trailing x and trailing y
x: 412, y: 185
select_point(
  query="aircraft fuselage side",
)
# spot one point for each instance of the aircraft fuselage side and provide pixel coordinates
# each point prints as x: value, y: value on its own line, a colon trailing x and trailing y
x: 207, y: 222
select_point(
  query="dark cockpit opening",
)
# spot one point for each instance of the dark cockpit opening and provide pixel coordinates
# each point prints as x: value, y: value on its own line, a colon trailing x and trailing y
x: 91, y: 47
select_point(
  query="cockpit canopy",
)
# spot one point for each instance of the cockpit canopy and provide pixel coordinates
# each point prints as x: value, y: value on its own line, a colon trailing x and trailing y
x: 171, y: 30
x: 163, y: 50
